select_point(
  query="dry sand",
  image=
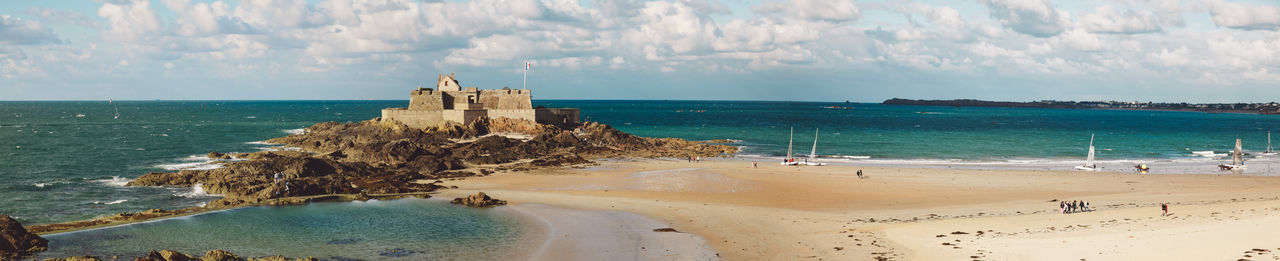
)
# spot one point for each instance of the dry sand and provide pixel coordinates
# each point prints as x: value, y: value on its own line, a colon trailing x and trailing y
x: 827, y: 213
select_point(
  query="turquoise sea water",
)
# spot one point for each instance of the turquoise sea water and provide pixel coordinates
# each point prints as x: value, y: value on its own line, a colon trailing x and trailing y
x: 407, y: 229
x: 58, y: 167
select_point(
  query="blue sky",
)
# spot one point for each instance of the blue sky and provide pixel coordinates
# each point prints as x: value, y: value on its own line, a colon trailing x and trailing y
x: 808, y: 50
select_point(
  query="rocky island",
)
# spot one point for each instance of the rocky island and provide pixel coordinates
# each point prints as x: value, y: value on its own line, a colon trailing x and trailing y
x: 389, y: 158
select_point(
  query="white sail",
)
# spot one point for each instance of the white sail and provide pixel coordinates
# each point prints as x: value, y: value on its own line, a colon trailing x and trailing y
x: 1237, y: 156
x: 813, y: 153
x: 1269, y: 143
x: 790, y: 141
x: 1089, y: 161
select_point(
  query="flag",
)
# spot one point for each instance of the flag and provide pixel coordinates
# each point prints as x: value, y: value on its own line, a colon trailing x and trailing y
x: 527, y: 65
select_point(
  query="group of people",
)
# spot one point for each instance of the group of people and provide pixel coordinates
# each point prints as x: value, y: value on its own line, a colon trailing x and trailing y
x: 1074, y: 206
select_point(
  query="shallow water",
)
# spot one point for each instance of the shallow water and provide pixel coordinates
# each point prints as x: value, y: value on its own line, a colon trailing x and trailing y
x: 406, y: 229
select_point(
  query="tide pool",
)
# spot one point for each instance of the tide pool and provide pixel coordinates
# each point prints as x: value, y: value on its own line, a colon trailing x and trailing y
x: 406, y: 229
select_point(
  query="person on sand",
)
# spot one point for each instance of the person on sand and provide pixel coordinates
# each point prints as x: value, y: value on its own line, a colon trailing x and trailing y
x: 755, y: 165
x: 859, y: 173
x: 1164, y: 207
x: 1062, y: 207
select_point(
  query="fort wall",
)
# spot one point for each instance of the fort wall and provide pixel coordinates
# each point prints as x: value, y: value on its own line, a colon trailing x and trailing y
x: 525, y: 114
x: 414, y: 118
x: 450, y: 102
x: 426, y: 99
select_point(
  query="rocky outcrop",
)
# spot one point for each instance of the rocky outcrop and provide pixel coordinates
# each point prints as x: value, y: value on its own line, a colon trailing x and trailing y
x: 220, y: 255
x: 479, y: 200
x: 170, y: 255
x: 118, y: 217
x: 16, y: 242
x: 379, y: 157
x: 75, y: 258
x: 217, y: 155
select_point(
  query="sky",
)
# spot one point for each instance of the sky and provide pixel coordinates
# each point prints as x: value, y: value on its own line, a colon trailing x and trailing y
x: 788, y: 50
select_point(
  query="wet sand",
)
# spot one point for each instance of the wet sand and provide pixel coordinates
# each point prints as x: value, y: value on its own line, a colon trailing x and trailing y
x: 809, y: 213
x: 572, y: 234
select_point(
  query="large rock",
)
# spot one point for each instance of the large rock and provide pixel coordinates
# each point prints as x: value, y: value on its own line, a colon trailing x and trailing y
x: 166, y: 255
x: 379, y: 157
x: 75, y: 258
x: 16, y: 242
x: 220, y: 255
x: 479, y: 200
x: 218, y: 155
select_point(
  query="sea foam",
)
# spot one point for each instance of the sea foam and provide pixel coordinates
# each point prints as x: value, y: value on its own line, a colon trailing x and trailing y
x: 116, y: 181
x: 295, y: 131
x: 197, y: 191
x: 193, y: 162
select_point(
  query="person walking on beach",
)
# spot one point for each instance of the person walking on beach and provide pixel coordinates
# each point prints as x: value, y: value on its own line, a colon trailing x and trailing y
x: 1062, y: 207
x: 755, y: 165
x: 859, y: 173
x: 1164, y: 207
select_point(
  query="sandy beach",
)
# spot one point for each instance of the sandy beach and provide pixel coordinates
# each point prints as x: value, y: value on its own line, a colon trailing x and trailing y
x: 778, y: 212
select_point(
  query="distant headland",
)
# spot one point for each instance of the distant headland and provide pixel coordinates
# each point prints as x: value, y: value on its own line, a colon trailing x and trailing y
x: 1252, y: 108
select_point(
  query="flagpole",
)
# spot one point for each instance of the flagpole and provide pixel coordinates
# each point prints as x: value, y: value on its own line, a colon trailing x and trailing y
x: 524, y: 84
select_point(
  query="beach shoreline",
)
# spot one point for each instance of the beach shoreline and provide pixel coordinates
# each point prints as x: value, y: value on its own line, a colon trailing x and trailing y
x: 777, y: 212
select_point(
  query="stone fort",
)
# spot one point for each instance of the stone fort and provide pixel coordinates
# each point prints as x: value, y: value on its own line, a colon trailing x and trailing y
x: 449, y: 102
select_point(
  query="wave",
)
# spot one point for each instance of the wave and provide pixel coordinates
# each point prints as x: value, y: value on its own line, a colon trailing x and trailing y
x: 112, y: 202
x: 260, y: 143
x: 115, y: 181
x: 295, y: 131
x: 195, y: 162
x: 197, y: 191
x: 208, y: 165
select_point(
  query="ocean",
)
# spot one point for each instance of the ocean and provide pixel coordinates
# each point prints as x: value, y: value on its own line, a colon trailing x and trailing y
x: 67, y: 160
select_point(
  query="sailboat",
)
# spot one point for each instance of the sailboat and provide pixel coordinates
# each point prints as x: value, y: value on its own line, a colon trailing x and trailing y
x: 1269, y: 152
x: 813, y: 153
x: 1237, y: 158
x: 113, y: 103
x: 788, y: 160
x: 1088, y: 162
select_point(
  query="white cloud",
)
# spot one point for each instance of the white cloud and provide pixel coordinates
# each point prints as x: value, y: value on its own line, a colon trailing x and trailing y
x: 1244, y: 16
x: 1167, y: 58
x: 986, y: 49
x: 1032, y: 17
x: 814, y: 10
x: 671, y: 29
x: 1039, y: 48
x: 1169, y: 12
x: 132, y: 21
x: 56, y: 16
x: 16, y: 31
x: 1079, y: 40
x: 1230, y: 53
x: 1106, y: 20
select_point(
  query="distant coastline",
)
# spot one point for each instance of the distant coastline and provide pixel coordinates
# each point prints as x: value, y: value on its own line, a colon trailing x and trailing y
x: 1248, y: 108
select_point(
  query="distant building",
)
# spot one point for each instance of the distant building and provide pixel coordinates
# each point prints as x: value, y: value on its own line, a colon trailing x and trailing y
x: 450, y: 102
